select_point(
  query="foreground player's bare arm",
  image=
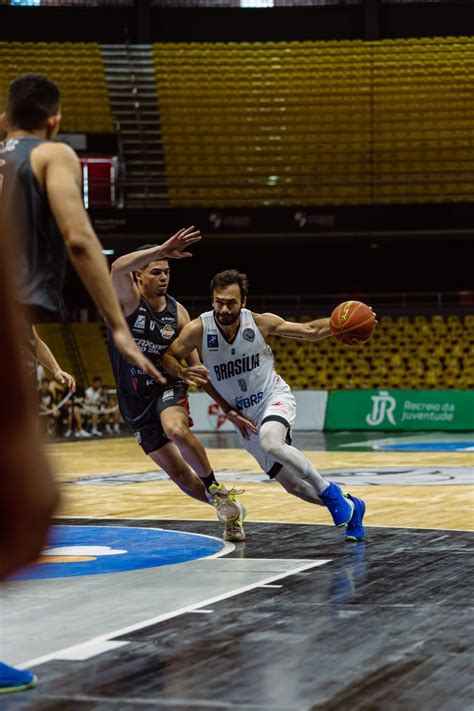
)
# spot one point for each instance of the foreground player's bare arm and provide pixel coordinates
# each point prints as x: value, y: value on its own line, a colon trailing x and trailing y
x: 46, y: 358
x: 57, y: 168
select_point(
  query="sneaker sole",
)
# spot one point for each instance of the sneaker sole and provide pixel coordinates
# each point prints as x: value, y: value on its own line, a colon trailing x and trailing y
x: 23, y: 687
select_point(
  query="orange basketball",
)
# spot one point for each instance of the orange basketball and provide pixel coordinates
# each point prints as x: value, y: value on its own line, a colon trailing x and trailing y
x: 352, y: 323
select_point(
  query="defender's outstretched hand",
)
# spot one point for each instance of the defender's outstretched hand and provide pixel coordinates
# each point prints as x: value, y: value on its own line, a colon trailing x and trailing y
x: 173, y: 248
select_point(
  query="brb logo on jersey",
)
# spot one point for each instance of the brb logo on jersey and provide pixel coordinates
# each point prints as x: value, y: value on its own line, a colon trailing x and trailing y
x: 242, y: 403
x: 167, y: 332
x: 212, y: 341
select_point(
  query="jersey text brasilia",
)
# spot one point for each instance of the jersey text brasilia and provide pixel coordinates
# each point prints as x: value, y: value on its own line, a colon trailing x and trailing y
x: 227, y: 370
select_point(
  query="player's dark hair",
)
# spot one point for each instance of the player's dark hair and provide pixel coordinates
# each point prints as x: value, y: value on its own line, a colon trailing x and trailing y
x: 32, y: 99
x: 148, y: 246
x: 229, y: 277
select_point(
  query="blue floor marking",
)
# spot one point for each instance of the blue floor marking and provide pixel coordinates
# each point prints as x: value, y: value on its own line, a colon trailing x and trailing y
x: 428, y: 447
x: 115, y: 549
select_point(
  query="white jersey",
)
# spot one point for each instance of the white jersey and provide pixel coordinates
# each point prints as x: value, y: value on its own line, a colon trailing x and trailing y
x: 242, y: 371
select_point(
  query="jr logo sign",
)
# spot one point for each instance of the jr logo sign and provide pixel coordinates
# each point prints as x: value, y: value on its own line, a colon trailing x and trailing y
x: 383, y: 406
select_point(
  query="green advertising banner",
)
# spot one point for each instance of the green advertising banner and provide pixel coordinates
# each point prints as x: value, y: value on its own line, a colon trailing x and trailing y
x: 400, y: 410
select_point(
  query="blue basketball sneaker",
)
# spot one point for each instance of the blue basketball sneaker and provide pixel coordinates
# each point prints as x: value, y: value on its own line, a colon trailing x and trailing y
x: 12, y: 679
x: 339, y: 507
x: 355, y: 530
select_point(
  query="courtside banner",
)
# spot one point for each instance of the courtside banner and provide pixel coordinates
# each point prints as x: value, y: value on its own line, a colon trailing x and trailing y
x: 208, y: 417
x: 400, y: 410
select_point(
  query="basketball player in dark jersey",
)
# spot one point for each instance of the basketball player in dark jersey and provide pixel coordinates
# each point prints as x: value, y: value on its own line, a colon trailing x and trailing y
x: 44, y: 218
x: 158, y: 414
x: 44, y: 221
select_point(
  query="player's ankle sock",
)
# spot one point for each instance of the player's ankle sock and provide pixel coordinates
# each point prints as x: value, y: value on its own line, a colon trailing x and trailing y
x: 209, y: 480
x: 314, y: 479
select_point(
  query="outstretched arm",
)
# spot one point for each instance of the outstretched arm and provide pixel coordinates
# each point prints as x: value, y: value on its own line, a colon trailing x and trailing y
x: 124, y: 266
x: 58, y: 169
x: 181, y: 349
x: 272, y: 325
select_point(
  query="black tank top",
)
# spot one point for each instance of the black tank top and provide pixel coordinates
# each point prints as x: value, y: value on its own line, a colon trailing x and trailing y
x: 153, y: 332
x: 29, y: 224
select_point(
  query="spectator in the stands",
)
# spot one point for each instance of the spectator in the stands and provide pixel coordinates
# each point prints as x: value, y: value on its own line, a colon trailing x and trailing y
x: 92, y: 403
x: 76, y: 414
x: 109, y: 409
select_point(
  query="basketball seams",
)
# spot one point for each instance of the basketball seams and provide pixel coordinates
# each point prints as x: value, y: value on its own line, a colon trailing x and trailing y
x: 345, y: 330
x: 340, y: 330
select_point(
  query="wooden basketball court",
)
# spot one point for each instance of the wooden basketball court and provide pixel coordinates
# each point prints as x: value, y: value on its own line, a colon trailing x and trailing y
x: 138, y: 603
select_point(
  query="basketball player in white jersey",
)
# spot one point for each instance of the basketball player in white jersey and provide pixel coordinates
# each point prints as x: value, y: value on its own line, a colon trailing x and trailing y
x: 237, y: 360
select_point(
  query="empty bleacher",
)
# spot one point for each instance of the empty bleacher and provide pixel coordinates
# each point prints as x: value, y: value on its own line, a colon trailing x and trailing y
x: 418, y: 352
x: 404, y: 353
x: 77, y: 68
x: 302, y: 123
x: 90, y: 340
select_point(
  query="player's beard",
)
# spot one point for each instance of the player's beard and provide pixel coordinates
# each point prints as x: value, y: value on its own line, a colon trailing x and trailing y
x: 227, y: 320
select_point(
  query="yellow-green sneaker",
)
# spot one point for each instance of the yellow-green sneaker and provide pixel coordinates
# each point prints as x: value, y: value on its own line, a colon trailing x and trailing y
x: 234, y: 530
x: 225, y: 502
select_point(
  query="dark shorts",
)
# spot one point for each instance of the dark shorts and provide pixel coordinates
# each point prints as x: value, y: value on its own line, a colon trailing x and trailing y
x: 150, y: 436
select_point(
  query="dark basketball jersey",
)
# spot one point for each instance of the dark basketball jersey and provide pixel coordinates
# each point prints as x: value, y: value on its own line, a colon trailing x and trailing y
x: 29, y: 225
x: 153, y: 332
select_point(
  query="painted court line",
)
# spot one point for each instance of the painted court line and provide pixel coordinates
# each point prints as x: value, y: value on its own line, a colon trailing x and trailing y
x: 81, y: 652
x: 97, y: 643
x: 201, y: 612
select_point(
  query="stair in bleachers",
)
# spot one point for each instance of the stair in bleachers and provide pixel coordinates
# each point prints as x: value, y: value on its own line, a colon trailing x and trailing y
x: 94, y: 352
x: 131, y: 82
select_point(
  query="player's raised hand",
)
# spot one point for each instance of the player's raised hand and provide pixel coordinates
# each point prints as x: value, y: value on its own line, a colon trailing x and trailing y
x: 127, y: 346
x: 174, y: 246
x: 195, y: 375
x: 241, y: 422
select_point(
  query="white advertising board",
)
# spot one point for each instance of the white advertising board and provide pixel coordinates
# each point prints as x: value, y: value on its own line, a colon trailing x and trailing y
x: 310, y: 412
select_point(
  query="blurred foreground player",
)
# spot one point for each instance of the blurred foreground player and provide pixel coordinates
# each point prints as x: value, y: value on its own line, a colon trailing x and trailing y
x: 28, y: 494
x: 43, y: 219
